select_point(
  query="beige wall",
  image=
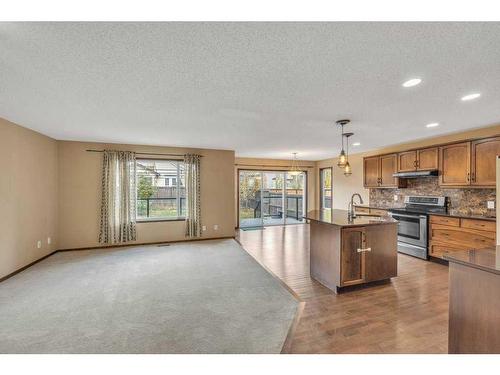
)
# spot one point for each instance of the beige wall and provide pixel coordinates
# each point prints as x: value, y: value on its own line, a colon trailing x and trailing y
x: 278, y: 165
x: 344, y: 187
x: 80, y: 192
x: 28, y: 196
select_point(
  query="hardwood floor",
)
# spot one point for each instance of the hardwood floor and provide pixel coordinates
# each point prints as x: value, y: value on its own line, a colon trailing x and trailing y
x: 407, y: 315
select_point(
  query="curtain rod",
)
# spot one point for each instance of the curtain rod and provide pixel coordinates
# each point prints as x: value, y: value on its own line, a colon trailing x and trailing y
x: 146, y: 153
x: 273, y: 166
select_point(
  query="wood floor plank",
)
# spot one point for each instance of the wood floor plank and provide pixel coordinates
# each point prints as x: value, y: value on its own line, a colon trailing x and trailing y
x: 407, y: 315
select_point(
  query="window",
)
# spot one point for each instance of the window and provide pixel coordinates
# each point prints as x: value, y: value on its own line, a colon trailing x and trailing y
x: 159, y: 197
x: 326, y: 188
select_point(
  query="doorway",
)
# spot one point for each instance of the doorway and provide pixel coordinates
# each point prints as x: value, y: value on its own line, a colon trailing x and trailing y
x: 271, y: 198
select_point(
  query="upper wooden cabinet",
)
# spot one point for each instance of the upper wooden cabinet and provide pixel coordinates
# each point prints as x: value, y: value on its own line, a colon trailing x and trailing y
x: 407, y: 161
x: 483, y: 161
x: 427, y: 159
x: 454, y: 164
x: 371, y: 171
x: 378, y: 171
x: 418, y: 160
x: 388, y: 166
x: 468, y: 163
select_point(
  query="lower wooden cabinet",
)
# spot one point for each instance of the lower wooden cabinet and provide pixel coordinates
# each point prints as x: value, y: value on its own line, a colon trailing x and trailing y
x: 449, y: 234
x: 368, y: 254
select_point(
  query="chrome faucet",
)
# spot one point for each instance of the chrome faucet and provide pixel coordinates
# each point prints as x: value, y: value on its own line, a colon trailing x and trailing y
x: 352, y: 214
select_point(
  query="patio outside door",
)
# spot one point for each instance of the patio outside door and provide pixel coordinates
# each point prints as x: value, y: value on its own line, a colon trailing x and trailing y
x: 271, y: 198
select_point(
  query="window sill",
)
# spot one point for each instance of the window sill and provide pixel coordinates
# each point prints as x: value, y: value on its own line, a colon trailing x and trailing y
x: 161, y: 220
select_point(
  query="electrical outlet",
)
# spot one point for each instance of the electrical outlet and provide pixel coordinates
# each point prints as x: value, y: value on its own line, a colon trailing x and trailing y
x: 490, y: 204
x: 39, y: 244
x: 204, y: 228
x: 216, y: 227
x: 395, y: 197
x: 48, y: 240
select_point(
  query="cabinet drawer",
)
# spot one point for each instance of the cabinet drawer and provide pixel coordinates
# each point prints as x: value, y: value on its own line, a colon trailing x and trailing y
x: 489, y: 226
x: 444, y: 220
x: 374, y: 211
x: 463, y: 237
x: 437, y: 249
x: 361, y: 210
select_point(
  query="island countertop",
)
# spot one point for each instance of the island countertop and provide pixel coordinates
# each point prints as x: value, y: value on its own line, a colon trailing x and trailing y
x: 340, y: 218
x: 484, y: 259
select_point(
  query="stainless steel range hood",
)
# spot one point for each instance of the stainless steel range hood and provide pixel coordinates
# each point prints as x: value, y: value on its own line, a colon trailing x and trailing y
x: 416, y: 174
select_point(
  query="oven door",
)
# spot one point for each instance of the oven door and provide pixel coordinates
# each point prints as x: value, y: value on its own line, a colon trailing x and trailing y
x: 412, y: 229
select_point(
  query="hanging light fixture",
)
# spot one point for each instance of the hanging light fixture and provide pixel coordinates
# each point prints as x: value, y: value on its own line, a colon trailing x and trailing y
x: 294, y: 171
x: 342, y: 156
x: 347, y: 168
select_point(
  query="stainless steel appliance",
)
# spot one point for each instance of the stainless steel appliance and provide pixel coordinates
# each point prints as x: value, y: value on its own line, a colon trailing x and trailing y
x: 413, y: 223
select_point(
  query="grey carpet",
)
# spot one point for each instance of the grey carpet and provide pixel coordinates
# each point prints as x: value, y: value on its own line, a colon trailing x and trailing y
x: 198, y: 297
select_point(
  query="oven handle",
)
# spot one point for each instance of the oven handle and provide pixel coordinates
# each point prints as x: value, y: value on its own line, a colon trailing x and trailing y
x: 414, y: 216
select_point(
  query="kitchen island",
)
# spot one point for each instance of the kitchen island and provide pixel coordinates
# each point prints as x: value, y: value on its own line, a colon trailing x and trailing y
x: 346, y: 252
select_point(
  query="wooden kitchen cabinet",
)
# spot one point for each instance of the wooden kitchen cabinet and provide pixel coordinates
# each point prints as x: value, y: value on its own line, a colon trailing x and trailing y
x: 454, y: 164
x: 483, y: 161
x: 378, y: 171
x: 368, y: 254
x: 388, y: 166
x: 407, y: 161
x: 428, y: 159
x: 351, y: 259
x: 371, y: 171
x: 449, y: 234
x: 418, y: 160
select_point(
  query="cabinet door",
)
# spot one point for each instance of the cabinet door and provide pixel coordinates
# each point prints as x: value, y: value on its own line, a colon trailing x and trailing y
x: 381, y: 257
x: 454, y: 162
x: 351, y: 260
x: 427, y: 159
x: 407, y: 161
x: 483, y: 162
x: 388, y: 166
x: 371, y: 171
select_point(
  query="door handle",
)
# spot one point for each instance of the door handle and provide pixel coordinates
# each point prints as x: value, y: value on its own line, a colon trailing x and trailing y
x: 364, y: 250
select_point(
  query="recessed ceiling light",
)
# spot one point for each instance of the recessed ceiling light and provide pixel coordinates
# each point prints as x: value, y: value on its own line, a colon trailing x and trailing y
x: 412, y: 82
x: 432, y: 125
x: 356, y: 144
x: 471, y: 97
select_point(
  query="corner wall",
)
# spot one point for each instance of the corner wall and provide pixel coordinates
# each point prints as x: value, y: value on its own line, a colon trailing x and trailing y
x: 28, y: 196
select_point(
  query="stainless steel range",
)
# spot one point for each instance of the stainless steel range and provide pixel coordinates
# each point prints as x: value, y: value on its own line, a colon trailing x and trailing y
x: 413, y: 218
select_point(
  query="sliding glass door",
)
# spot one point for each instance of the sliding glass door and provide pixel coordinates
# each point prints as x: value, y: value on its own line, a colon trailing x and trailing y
x: 271, y: 198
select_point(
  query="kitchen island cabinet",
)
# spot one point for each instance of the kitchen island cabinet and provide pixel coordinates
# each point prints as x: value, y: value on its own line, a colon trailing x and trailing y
x: 347, y: 252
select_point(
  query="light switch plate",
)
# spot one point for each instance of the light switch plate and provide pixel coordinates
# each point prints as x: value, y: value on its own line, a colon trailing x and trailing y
x: 395, y: 197
x: 491, y: 205
x: 204, y: 228
x: 39, y: 244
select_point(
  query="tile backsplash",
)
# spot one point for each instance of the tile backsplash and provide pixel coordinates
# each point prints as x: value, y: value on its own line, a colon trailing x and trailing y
x: 464, y: 201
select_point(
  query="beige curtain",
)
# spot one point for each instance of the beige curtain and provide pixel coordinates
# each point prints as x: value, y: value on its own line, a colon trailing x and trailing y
x: 193, y: 210
x: 118, y: 201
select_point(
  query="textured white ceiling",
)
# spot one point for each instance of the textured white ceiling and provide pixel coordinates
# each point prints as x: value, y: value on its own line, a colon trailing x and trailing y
x: 262, y: 89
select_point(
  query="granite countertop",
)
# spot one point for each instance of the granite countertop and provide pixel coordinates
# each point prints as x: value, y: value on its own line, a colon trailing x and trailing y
x: 340, y: 218
x: 484, y: 259
x: 450, y: 213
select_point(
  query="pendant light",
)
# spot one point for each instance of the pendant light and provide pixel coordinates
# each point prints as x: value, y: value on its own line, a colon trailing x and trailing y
x: 294, y: 171
x: 347, y: 168
x: 342, y: 156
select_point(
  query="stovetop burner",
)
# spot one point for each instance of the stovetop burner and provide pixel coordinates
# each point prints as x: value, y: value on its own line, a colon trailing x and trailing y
x: 422, y: 205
